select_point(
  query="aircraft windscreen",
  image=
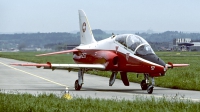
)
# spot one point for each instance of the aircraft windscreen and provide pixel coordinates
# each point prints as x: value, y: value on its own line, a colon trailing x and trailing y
x: 135, y: 43
x: 144, y: 50
x: 121, y: 39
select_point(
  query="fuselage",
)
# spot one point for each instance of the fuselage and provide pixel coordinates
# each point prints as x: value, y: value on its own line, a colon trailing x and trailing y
x: 127, y: 52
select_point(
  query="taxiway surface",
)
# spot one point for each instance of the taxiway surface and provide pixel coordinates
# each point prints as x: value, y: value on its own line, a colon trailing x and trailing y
x: 37, y: 80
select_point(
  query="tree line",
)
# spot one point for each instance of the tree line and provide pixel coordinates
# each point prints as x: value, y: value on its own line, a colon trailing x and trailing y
x: 59, y: 40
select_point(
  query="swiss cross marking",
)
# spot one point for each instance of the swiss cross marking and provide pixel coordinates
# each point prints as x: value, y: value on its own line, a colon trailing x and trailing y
x: 83, y: 55
x: 152, y: 67
x: 84, y: 27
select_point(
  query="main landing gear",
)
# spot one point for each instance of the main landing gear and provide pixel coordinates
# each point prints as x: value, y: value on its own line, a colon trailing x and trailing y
x: 123, y: 77
x: 79, y: 82
x: 145, y: 84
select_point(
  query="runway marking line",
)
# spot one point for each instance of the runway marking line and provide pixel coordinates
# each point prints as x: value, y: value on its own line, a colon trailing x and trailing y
x: 35, y: 75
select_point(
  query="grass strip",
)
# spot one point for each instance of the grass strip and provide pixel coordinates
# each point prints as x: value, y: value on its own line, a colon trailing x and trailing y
x: 51, y: 103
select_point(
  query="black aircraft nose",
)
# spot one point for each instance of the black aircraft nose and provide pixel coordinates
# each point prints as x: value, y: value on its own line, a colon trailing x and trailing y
x: 153, y: 58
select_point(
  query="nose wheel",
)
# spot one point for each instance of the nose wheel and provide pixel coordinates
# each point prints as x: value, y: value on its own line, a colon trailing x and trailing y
x: 150, y: 89
x: 145, y: 84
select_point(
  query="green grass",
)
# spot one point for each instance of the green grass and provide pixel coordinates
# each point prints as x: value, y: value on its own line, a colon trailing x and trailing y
x: 53, y: 103
x: 184, y: 77
x: 179, y: 78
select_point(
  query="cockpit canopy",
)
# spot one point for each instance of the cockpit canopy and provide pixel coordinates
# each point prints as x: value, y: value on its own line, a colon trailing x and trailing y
x: 135, y: 43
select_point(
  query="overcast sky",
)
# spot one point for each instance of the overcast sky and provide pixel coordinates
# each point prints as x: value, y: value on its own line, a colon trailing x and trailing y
x: 62, y: 15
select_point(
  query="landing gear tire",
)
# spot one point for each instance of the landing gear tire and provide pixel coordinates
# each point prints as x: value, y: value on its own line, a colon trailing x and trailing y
x: 77, y: 86
x: 150, y: 89
x: 144, y: 85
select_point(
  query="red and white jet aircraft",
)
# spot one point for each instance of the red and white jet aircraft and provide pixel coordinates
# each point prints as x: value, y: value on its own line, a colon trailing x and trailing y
x: 119, y: 53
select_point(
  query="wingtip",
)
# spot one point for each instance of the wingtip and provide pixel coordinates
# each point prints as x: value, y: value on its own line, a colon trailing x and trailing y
x: 39, y: 55
x: 181, y: 65
x: 16, y: 64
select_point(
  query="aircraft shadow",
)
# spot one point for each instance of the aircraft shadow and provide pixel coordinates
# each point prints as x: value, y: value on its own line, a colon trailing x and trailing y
x: 136, y: 91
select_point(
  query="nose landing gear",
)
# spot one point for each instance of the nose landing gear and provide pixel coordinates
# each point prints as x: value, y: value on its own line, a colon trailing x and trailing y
x: 150, y: 89
x: 145, y: 84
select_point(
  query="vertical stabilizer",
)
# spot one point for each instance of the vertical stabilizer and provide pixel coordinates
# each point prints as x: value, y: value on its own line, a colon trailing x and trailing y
x: 86, y: 34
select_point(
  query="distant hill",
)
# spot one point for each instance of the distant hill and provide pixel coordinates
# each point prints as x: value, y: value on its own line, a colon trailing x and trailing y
x: 45, y: 39
x: 168, y: 36
x: 62, y: 39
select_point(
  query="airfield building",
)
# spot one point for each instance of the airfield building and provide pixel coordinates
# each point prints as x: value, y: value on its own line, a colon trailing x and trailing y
x: 185, y: 44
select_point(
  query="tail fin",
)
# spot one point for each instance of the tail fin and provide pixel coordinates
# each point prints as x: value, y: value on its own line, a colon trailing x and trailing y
x: 86, y: 34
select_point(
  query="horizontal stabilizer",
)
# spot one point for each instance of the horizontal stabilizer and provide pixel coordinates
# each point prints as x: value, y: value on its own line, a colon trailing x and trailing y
x: 59, y: 52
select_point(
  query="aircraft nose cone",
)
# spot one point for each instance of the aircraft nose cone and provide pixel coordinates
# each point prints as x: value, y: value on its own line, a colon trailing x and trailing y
x: 154, y: 58
x: 160, y: 61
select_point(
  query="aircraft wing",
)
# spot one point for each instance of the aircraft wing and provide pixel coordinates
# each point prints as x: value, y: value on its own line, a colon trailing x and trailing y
x: 48, y: 65
x: 170, y: 65
x: 59, y: 52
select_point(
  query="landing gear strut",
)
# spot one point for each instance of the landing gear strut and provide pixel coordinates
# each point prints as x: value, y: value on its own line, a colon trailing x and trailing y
x: 78, y: 83
x: 145, y: 84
